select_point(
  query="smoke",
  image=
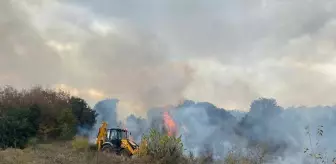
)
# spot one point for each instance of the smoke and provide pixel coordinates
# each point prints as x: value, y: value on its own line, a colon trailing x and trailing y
x: 243, y: 49
x: 87, y: 53
x: 154, y: 53
x: 106, y: 110
x: 160, y: 52
x: 281, y: 132
x: 22, y: 50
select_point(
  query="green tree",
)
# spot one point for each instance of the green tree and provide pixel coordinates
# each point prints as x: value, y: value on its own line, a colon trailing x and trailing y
x: 84, y: 115
x: 16, y: 128
x: 66, y: 124
x: 35, y: 116
x: 37, y: 112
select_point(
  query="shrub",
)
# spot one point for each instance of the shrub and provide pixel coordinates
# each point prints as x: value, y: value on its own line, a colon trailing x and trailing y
x: 16, y: 128
x: 42, y: 108
x: 33, y: 142
x: 206, y: 156
x: 255, y: 155
x: 315, y: 152
x: 84, y: 115
x: 67, y: 124
x: 161, y: 147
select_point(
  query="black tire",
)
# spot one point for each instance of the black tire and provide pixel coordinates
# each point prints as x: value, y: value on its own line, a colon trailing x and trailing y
x: 125, y: 153
x: 108, y: 150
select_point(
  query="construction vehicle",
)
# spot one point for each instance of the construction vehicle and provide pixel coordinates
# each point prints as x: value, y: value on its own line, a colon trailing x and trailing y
x: 116, y: 141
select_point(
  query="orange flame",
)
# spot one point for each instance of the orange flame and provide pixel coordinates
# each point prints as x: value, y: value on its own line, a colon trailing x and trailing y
x: 170, y: 124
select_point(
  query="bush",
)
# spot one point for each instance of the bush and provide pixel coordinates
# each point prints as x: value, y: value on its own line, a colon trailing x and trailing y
x: 33, y: 142
x: 161, y: 147
x: 85, y: 116
x: 254, y: 155
x: 16, y: 128
x: 67, y: 124
x: 41, y: 109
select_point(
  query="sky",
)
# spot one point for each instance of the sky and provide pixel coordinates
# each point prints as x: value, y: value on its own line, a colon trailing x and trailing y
x: 155, y: 53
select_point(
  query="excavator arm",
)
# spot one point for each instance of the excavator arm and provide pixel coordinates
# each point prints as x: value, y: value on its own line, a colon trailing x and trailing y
x: 101, y: 137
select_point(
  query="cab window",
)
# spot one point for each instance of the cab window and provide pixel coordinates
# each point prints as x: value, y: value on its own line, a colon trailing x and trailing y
x: 114, y: 134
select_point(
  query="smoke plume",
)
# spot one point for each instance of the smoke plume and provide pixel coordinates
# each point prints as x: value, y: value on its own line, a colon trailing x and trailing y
x: 155, y: 53
x: 106, y: 110
x: 282, y: 133
x: 160, y: 52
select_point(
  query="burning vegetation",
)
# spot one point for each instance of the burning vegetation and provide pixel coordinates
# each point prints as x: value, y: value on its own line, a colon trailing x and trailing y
x: 203, y: 129
x: 169, y: 124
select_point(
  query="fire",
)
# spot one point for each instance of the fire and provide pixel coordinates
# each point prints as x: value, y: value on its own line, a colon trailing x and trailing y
x: 170, y: 124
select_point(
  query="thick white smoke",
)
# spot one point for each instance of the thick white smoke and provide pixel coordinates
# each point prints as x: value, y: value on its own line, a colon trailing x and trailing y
x: 106, y: 112
x: 154, y: 53
x: 164, y: 51
x: 283, y: 131
x: 201, y: 125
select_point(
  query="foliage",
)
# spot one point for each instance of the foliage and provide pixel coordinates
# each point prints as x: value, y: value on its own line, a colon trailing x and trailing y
x: 313, y: 151
x: 262, y: 113
x: 33, y: 142
x: 166, y: 149
x: 265, y: 107
x: 255, y: 155
x: 67, y: 124
x: 85, y: 116
x: 15, y: 131
x: 40, y: 113
x: 18, y: 125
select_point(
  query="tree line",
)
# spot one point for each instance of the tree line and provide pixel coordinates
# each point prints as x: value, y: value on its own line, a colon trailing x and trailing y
x: 41, y: 114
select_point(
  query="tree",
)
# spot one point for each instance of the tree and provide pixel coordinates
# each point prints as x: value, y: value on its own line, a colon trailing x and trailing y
x: 66, y: 124
x: 264, y: 107
x: 255, y: 125
x: 16, y: 128
x: 85, y: 116
x: 34, y: 117
x: 37, y: 112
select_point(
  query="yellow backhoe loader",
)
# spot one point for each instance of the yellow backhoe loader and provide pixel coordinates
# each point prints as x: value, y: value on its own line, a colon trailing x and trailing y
x: 115, y: 140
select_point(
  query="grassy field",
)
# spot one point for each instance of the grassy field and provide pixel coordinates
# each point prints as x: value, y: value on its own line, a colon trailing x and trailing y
x: 60, y: 153
x: 78, y: 152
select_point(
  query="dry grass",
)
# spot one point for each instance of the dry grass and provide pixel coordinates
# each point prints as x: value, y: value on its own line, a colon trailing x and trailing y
x: 61, y: 154
x: 66, y: 153
x: 80, y: 143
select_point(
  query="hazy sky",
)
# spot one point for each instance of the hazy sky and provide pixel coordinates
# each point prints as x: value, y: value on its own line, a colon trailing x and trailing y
x: 154, y: 52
